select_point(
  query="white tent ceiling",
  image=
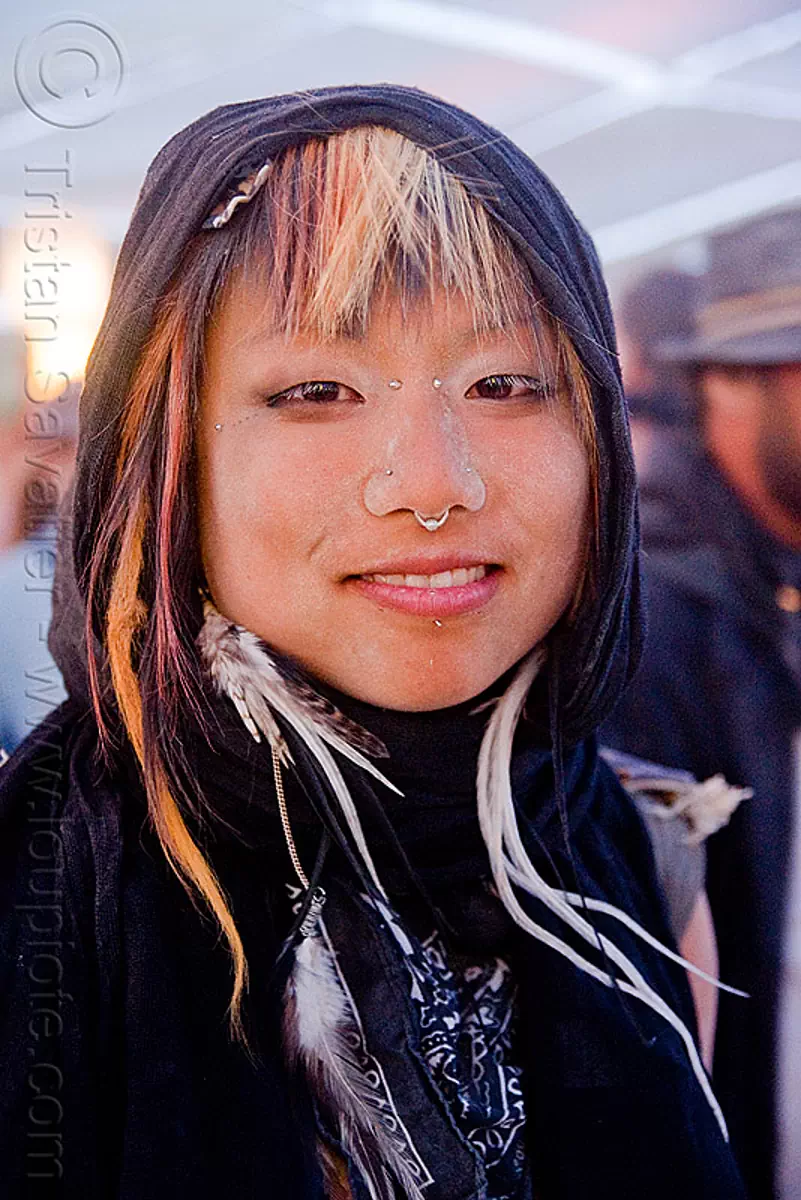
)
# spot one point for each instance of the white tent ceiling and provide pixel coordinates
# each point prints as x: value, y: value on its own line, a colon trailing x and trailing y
x: 659, y: 121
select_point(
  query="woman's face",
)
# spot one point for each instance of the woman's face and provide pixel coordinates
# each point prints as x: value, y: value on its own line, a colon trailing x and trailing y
x: 308, y: 497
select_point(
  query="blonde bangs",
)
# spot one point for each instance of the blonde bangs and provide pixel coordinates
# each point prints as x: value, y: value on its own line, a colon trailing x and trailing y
x: 367, y: 212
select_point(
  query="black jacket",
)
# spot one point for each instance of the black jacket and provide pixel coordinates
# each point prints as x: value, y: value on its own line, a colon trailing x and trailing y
x: 120, y: 1081
x: 718, y: 691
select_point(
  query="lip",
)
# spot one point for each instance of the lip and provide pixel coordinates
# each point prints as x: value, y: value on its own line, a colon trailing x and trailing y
x: 427, y: 564
x: 428, y: 602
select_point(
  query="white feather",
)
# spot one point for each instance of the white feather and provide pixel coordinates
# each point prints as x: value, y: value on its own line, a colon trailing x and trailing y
x: 320, y: 1031
x: 320, y: 1028
x: 510, y: 863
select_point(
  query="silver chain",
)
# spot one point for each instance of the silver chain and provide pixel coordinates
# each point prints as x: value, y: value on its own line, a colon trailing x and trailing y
x: 282, y: 809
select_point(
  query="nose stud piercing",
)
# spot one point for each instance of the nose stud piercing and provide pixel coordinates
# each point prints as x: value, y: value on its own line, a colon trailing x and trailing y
x: 432, y: 524
x: 436, y: 382
x: 381, y: 497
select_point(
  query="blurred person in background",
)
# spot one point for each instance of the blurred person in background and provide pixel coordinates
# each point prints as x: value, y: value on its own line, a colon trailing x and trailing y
x: 37, y: 469
x: 719, y: 689
x: 659, y: 307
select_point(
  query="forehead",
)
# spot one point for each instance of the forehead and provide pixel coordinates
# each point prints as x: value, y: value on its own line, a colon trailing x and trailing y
x: 441, y: 320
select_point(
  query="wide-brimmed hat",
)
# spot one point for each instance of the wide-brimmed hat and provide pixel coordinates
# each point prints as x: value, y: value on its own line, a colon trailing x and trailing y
x: 749, y: 308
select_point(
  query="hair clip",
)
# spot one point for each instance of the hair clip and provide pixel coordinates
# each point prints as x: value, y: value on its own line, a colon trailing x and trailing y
x: 242, y: 193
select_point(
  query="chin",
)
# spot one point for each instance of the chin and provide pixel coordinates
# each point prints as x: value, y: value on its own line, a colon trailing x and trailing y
x: 424, y: 690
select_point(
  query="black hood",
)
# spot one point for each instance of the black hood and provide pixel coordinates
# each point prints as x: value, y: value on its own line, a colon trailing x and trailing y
x: 197, y: 168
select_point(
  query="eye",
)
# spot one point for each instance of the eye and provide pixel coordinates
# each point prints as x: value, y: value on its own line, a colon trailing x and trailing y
x: 510, y: 387
x: 315, y: 391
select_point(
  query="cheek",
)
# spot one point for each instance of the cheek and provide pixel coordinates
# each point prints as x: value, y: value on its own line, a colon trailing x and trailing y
x: 265, y: 501
x: 551, y: 498
x: 548, y: 488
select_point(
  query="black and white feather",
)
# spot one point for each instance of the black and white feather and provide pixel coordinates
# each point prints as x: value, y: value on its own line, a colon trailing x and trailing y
x: 242, y: 668
x: 322, y: 1033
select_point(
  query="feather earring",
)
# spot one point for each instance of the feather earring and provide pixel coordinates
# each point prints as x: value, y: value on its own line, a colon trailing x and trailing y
x: 322, y: 1029
x: 241, y: 666
x: 322, y: 1033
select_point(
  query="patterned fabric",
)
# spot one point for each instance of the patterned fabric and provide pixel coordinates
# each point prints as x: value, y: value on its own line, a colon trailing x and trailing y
x: 467, y: 1015
x: 374, y: 1086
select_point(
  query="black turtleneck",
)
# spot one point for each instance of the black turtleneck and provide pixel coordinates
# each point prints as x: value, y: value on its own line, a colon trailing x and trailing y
x: 432, y: 757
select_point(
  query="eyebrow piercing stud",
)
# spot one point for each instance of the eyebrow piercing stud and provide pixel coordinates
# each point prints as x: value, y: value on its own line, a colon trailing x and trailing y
x: 436, y: 382
x: 217, y: 426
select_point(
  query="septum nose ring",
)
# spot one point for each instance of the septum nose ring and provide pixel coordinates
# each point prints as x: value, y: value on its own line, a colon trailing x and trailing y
x: 381, y: 497
x: 432, y: 524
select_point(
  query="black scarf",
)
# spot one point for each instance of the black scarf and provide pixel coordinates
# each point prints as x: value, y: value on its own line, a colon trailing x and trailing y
x: 156, y: 1101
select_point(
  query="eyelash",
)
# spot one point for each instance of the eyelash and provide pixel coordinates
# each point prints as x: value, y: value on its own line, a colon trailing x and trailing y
x: 302, y: 392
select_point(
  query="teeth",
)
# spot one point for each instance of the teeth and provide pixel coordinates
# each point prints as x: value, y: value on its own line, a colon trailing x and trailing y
x: 443, y: 579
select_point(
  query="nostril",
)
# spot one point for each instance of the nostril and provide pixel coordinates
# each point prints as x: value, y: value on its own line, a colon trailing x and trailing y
x: 432, y: 494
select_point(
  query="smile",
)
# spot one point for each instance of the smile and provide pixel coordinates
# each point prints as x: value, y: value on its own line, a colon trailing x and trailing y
x: 458, y: 577
x: 444, y: 593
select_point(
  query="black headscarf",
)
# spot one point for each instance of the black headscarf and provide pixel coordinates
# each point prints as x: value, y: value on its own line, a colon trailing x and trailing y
x: 201, y: 165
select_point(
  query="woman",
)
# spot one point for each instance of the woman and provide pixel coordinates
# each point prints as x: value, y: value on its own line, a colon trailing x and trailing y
x: 350, y: 905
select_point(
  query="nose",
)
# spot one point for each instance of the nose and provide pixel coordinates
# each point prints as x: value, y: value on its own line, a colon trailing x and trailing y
x: 428, y: 468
